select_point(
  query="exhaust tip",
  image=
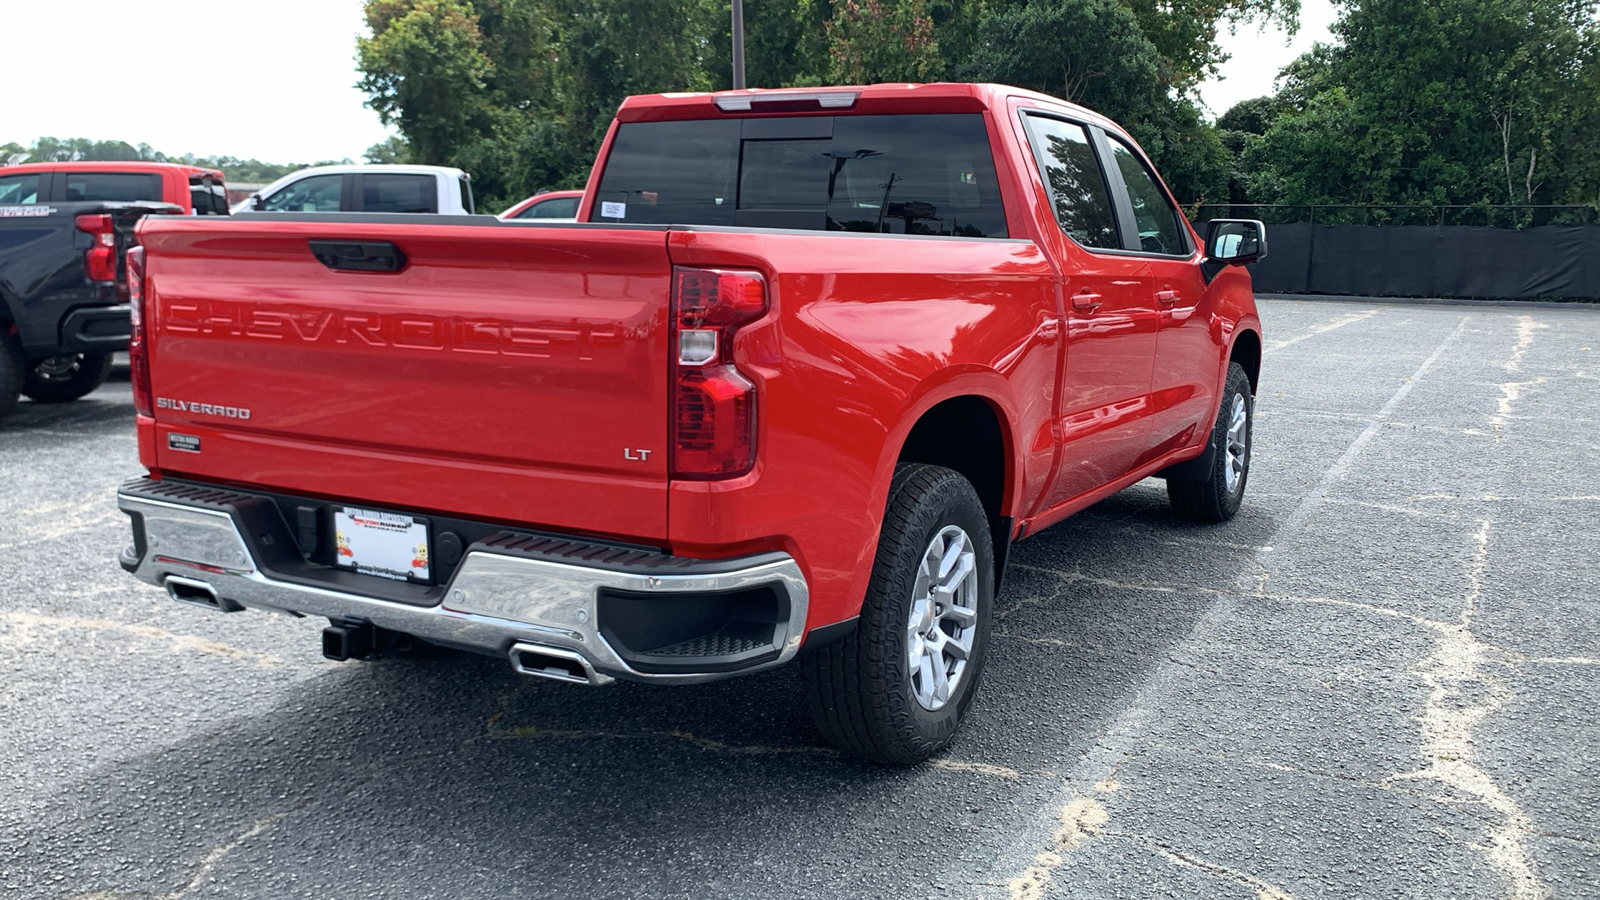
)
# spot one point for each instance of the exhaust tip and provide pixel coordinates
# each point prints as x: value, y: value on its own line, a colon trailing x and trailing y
x: 553, y: 663
x: 198, y: 593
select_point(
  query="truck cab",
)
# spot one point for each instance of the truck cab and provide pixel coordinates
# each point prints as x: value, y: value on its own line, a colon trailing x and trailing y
x: 372, y: 189
x: 64, y: 231
x: 806, y: 366
x: 195, y: 191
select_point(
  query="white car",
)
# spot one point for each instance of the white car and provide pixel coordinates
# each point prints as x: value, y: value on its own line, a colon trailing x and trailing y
x: 405, y: 189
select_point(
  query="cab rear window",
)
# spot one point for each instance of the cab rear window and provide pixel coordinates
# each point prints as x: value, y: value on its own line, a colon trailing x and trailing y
x: 906, y: 174
x: 112, y: 186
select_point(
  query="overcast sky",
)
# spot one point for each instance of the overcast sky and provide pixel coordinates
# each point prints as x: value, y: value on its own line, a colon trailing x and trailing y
x: 1259, y: 54
x: 275, y: 81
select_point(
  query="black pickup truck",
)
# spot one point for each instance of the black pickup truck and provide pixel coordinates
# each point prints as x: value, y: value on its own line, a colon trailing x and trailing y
x: 64, y: 230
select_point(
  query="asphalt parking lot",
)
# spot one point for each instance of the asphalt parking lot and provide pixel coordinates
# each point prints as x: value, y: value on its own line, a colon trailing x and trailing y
x: 1380, y: 680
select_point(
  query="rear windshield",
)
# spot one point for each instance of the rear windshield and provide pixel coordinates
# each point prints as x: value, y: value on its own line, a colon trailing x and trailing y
x: 209, y: 197
x: 398, y: 193
x: 912, y: 174
x: 16, y: 190
x: 112, y: 186
x: 559, y: 208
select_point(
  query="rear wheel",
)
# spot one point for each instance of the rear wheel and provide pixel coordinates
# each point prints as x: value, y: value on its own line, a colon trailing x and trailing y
x: 60, y: 379
x: 897, y: 688
x: 12, y: 366
x: 1216, y: 497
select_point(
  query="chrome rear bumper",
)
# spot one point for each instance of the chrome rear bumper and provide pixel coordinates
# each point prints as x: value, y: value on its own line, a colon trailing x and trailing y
x: 497, y: 602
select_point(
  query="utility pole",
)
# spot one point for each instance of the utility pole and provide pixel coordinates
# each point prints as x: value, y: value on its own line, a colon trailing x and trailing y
x: 738, y: 45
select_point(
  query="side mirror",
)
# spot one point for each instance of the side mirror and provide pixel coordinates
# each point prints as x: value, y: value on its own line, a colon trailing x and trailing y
x: 1235, y: 242
x: 256, y: 202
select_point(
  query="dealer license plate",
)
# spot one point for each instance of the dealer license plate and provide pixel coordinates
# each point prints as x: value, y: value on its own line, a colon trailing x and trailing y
x: 382, y: 544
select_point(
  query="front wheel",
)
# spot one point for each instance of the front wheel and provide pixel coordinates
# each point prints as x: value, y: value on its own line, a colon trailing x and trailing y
x: 60, y: 379
x: 897, y: 688
x: 1216, y: 497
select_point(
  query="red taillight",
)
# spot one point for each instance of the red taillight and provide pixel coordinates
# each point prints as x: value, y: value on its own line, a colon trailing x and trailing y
x: 138, y: 363
x: 713, y: 404
x: 101, y: 260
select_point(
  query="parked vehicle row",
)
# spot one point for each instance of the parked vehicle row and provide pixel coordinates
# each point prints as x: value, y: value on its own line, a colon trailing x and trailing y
x: 64, y: 232
x: 64, y: 229
x: 804, y: 368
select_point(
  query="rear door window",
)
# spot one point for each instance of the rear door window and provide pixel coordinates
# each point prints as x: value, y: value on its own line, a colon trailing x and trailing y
x: 1075, y: 182
x: 1160, y: 225
x: 19, y: 190
x: 398, y: 193
x: 112, y: 186
x: 318, y: 193
x: 559, y: 208
x: 909, y: 174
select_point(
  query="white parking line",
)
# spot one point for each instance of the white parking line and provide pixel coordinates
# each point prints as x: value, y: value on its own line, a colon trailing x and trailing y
x: 1320, y: 329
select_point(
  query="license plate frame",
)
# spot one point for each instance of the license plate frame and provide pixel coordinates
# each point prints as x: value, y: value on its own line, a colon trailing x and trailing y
x: 382, y: 544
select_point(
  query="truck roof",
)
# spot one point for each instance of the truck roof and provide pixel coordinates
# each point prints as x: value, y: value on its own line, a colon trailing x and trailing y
x: 399, y: 168
x: 881, y: 99
x: 110, y: 166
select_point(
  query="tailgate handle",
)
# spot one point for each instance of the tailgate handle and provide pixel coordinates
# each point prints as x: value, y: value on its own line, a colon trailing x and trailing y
x: 359, y: 256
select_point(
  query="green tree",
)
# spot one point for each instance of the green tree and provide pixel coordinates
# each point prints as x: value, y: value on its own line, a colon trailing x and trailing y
x: 1184, y: 32
x: 1252, y: 116
x: 871, y: 41
x: 387, y: 152
x: 49, y: 149
x: 1238, y: 130
x: 425, y: 70
x: 613, y: 48
x: 1438, y: 102
x: 511, y: 166
x: 1093, y: 53
x: 1089, y: 52
x: 786, y: 44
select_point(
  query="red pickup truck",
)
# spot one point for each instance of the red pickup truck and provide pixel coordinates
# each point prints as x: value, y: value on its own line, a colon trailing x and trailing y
x: 805, y: 367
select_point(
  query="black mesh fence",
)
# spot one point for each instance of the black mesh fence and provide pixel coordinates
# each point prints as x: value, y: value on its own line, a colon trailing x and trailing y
x: 1415, y: 251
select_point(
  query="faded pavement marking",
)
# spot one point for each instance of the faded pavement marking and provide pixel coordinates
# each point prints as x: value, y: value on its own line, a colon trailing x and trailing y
x: 28, y: 626
x: 1321, y: 329
x: 209, y: 864
x: 1461, y: 696
x: 41, y: 524
x: 1081, y: 818
x: 1511, y: 391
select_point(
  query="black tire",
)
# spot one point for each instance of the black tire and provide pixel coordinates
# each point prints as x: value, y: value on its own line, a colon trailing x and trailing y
x: 1210, y: 499
x: 860, y: 689
x: 12, y: 366
x: 62, y: 379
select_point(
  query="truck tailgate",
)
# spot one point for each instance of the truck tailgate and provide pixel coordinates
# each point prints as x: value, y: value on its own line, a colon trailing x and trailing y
x: 505, y: 372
